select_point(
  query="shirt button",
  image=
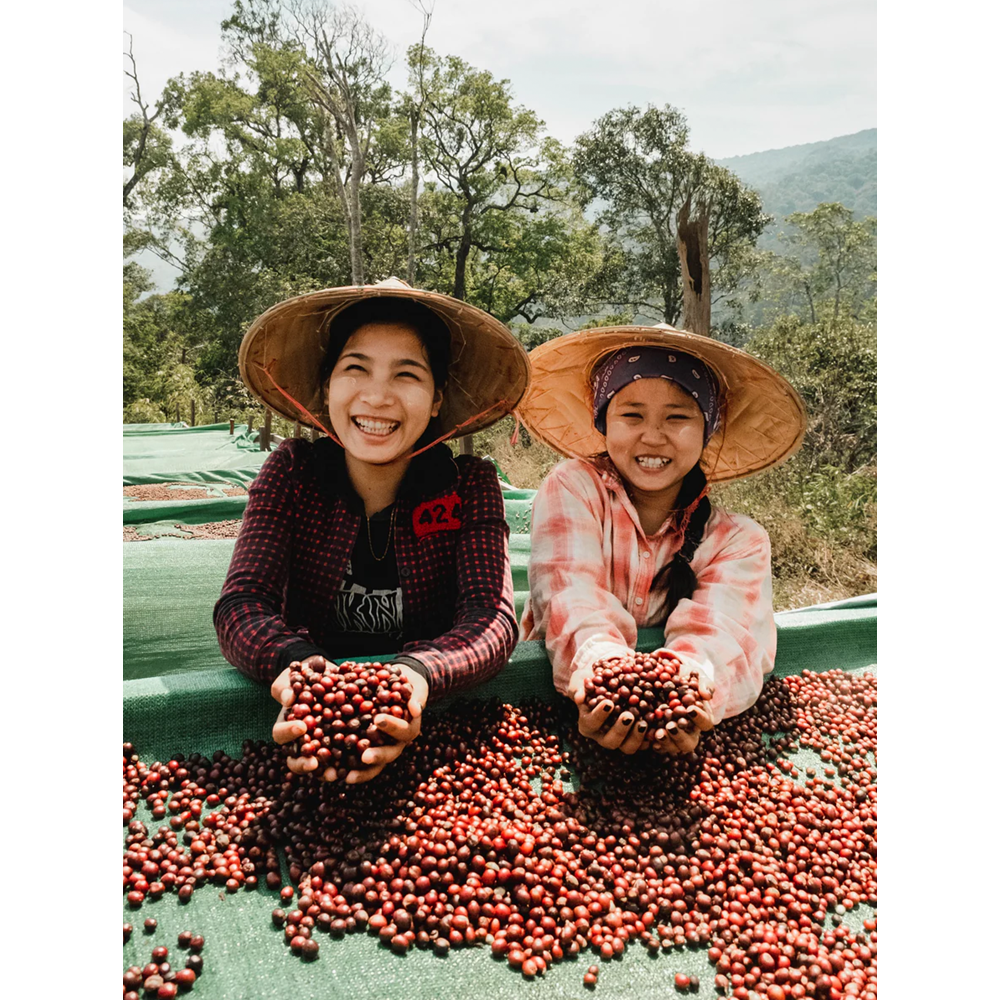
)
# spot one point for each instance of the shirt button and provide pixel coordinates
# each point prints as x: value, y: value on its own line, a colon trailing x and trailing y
x: 638, y: 600
x: 645, y: 553
x: 405, y: 571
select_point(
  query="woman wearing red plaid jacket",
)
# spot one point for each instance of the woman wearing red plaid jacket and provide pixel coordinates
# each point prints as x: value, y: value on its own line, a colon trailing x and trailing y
x: 374, y: 540
x: 624, y: 535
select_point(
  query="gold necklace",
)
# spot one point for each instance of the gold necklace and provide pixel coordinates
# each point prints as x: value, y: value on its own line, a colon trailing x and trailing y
x: 389, y: 541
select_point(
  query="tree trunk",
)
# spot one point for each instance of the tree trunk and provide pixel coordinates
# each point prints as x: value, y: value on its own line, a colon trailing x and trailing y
x: 343, y: 193
x: 462, y: 257
x: 411, y: 260
x: 357, y: 261
x: 464, y: 248
x: 692, y: 248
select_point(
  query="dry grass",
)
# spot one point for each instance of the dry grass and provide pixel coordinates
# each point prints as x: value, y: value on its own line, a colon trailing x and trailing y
x: 808, y: 566
x: 525, y: 465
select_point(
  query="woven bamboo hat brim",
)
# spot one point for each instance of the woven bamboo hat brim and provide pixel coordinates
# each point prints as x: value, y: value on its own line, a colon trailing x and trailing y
x: 282, y: 353
x: 763, y: 417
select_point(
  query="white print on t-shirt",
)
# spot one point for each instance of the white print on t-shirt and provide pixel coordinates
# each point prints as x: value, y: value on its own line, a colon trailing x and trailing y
x: 374, y: 612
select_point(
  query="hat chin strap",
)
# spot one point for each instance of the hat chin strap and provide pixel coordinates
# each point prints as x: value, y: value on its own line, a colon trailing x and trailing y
x: 465, y: 423
x: 311, y: 418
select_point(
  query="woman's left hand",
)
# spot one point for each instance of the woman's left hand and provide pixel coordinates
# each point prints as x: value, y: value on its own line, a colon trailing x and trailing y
x: 402, y: 732
x: 679, y: 740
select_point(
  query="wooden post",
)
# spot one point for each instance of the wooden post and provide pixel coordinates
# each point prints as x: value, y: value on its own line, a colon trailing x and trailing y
x: 192, y: 413
x: 298, y: 429
x: 313, y: 434
x: 692, y: 248
x: 250, y: 423
x: 232, y: 425
x: 265, y: 434
x: 178, y: 413
x: 465, y: 445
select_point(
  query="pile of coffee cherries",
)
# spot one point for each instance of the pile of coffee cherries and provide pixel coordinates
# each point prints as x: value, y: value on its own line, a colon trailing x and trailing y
x: 472, y: 838
x: 338, y: 704
x: 650, y: 687
x: 205, y: 839
x: 157, y: 978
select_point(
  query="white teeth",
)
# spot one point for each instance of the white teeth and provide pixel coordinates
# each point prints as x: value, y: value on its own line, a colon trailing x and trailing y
x: 376, y: 426
x: 652, y: 462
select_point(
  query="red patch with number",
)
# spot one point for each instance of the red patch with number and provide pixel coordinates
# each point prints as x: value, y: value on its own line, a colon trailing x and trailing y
x: 444, y: 514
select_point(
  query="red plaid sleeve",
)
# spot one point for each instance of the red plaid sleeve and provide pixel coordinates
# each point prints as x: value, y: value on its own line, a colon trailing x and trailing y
x: 252, y: 633
x: 485, y: 627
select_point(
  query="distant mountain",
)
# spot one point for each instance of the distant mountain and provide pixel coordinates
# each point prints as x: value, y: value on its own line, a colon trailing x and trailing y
x: 798, y: 178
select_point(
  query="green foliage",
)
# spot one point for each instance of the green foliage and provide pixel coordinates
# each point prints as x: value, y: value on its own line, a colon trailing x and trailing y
x: 821, y: 526
x: 840, y: 506
x: 834, y: 367
x: 820, y: 507
x: 501, y: 226
x: 638, y: 165
x: 146, y: 151
x: 143, y: 411
x: 256, y: 206
x: 833, y: 261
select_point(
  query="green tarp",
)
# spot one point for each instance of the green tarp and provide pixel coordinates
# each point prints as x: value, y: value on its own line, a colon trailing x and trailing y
x: 147, y: 428
x: 208, y: 454
x: 210, y: 510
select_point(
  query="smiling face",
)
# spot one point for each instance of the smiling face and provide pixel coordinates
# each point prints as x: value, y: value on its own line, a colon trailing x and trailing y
x: 655, y: 433
x: 381, y: 394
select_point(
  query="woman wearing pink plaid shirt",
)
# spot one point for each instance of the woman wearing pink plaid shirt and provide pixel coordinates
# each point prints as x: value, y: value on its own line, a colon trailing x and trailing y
x: 373, y: 540
x: 624, y: 535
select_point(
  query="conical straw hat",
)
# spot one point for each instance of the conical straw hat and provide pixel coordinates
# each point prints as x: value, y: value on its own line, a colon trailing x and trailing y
x: 282, y: 353
x: 763, y: 417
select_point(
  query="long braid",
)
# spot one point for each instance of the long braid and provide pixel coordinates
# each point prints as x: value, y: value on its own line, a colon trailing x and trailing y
x: 677, y: 576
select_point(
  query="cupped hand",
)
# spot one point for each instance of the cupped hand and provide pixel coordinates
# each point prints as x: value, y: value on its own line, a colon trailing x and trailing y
x: 623, y: 734
x: 287, y: 730
x: 401, y: 731
x: 671, y: 738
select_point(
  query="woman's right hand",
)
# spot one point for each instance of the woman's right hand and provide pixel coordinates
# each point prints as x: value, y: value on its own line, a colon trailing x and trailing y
x: 285, y: 731
x: 624, y: 734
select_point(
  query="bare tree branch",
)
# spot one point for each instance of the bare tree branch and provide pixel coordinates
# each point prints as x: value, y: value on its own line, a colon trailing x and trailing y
x: 139, y: 153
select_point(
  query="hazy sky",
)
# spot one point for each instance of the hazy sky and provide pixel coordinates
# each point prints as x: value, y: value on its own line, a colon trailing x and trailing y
x: 749, y: 74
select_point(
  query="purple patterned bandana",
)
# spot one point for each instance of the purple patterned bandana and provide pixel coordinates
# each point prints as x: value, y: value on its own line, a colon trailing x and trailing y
x: 632, y: 363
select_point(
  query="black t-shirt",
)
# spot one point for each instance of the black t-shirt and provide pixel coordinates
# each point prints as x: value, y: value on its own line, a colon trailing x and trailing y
x: 368, y: 609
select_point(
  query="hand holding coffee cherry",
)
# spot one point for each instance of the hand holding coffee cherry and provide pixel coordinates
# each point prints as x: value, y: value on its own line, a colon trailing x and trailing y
x: 642, y: 700
x: 343, y: 716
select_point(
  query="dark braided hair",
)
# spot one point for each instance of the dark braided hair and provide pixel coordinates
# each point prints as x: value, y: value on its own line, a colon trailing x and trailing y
x: 677, y: 576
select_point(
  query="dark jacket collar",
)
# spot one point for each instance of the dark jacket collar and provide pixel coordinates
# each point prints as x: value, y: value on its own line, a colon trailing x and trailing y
x: 429, y: 474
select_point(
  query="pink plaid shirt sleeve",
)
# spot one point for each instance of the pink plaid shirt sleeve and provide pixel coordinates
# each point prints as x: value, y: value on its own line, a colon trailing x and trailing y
x: 591, y: 572
x: 572, y: 605
x: 726, y: 629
